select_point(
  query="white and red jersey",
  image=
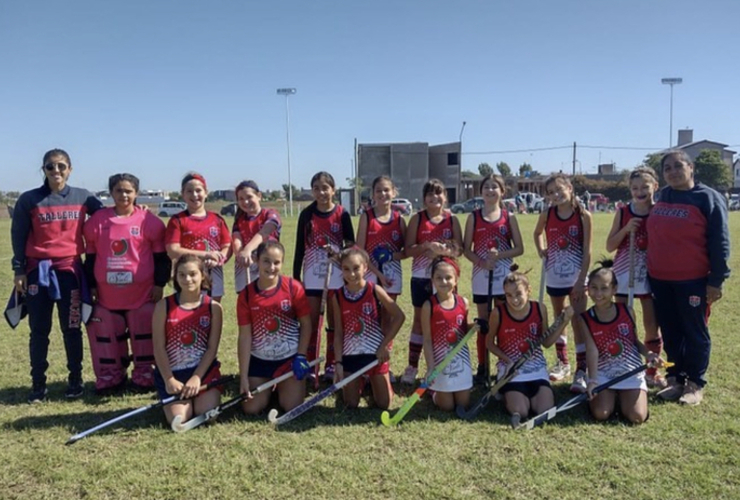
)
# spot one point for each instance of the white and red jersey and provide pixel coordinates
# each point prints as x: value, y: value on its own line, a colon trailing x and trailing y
x: 564, y: 248
x: 247, y: 226
x: 429, y: 231
x: 487, y: 235
x: 616, y: 342
x: 360, y: 320
x: 207, y: 233
x: 316, y: 230
x: 448, y: 327
x: 388, y: 235
x: 273, y: 315
x: 124, y: 263
x: 622, y: 259
x: 517, y: 337
x: 187, y: 332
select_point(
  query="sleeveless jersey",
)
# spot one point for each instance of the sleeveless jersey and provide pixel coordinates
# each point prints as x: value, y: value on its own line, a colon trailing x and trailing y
x: 323, y: 228
x: 273, y: 315
x: 487, y: 235
x: 360, y: 321
x: 518, y: 336
x: 388, y: 235
x: 429, y: 231
x: 448, y: 327
x: 247, y: 226
x: 187, y: 332
x: 204, y: 233
x: 622, y: 259
x: 125, y: 247
x: 564, y: 249
x: 616, y: 342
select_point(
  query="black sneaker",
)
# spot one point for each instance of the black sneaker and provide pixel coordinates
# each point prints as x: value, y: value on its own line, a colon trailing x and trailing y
x: 480, y: 376
x: 75, y: 389
x: 38, y: 394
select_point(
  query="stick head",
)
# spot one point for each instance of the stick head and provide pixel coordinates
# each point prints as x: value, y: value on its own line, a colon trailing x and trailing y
x: 272, y: 416
x: 385, y: 418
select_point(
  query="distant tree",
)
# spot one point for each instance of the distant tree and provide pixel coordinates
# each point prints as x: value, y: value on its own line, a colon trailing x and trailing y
x: 485, y: 169
x: 468, y: 174
x: 711, y: 170
x: 524, y: 168
x: 504, y: 169
x: 296, y: 191
x: 174, y: 195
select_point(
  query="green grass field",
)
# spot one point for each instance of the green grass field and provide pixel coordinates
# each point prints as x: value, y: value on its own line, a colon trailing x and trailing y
x: 680, y: 453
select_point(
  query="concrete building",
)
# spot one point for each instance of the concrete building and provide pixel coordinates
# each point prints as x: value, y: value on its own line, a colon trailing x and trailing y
x: 693, y: 148
x: 411, y: 165
x: 736, y: 174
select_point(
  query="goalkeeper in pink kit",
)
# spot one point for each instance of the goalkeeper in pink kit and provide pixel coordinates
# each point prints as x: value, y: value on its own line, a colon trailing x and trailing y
x: 127, y: 268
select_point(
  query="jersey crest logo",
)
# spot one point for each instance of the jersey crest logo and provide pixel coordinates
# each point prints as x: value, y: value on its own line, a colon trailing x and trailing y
x: 694, y: 301
x: 447, y: 233
x: 502, y: 230
x: 395, y: 236
x: 367, y: 308
x: 205, y: 321
x: 573, y: 230
x: 533, y: 328
x: 459, y: 319
x: 335, y: 228
x: 213, y: 231
x: 135, y: 230
x: 285, y: 305
x: 623, y: 329
x: 33, y: 289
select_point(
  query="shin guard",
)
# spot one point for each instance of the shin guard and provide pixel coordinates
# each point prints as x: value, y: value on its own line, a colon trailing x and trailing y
x: 140, y: 328
x: 105, y: 330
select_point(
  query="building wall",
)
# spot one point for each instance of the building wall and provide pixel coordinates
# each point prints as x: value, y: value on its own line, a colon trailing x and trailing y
x: 694, y: 150
x: 444, y: 164
x: 736, y: 174
x: 406, y: 163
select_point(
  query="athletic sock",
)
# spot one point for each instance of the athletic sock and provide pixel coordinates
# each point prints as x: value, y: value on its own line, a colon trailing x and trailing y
x: 581, y: 357
x: 415, y: 347
x: 481, y: 345
x: 329, y: 346
x: 656, y: 346
x: 561, y: 349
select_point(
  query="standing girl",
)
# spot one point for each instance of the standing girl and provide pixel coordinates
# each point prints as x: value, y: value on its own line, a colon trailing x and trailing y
x: 186, y: 330
x: 492, y: 240
x: 567, y: 253
x: 127, y: 268
x: 444, y: 321
x: 432, y: 232
x: 516, y: 328
x: 198, y: 232
x: 252, y: 225
x: 274, y: 332
x: 46, y: 235
x: 323, y: 227
x: 359, y: 335
x: 632, y: 218
x: 612, y: 348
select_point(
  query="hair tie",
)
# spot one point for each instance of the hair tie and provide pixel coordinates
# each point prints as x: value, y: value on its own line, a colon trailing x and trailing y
x: 450, y: 261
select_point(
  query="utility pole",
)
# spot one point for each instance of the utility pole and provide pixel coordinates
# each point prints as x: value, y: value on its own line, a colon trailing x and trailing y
x: 574, y: 158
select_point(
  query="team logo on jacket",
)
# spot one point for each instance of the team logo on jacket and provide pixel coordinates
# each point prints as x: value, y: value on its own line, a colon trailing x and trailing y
x: 623, y: 329
x: 335, y: 228
x: 459, y: 319
x: 395, y: 236
x: 367, y: 308
x: 694, y: 301
x: 573, y: 230
x: 135, y: 230
x: 285, y: 305
x: 213, y: 231
x: 447, y: 233
x: 533, y: 328
x: 205, y: 321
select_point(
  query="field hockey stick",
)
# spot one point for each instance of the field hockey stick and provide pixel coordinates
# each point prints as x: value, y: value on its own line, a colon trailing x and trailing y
x: 386, y: 418
x: 577, y: 400
x: 542, y: 280
x: 307, y: 405
x: 215, y: 412
x: 322, y: 310
x: 163, y: 402
x: 631, y: 292
x: 510, y: 373
x: 489, y: 308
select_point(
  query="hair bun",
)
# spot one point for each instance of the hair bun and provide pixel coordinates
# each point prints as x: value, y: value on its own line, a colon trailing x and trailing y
x: 606, y: 263
x: 514, y: 267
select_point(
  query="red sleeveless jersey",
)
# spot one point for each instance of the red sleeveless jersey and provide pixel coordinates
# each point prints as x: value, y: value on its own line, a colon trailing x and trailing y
x: 429, y: 231
x: 187, y: 332
x: 247, y: 226
x: 204, y: 233
x: 564, y: 248
x: 322, y: 229
x: 388, y: 235
x: 273, y: 315
x: 616, y: 341
x: 360, y: 321
x: 622, y: 258
x: 488, y: 235
x: 448, y: 327
x: 519, y: 336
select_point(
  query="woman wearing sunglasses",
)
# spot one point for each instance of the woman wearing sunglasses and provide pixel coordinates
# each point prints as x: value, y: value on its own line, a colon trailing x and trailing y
x: 47, y: 242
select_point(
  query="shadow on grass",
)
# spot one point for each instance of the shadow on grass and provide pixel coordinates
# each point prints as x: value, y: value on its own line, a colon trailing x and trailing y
x: 19, y: 395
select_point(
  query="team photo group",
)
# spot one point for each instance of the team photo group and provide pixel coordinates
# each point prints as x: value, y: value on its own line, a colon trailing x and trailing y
x: 329, y: 325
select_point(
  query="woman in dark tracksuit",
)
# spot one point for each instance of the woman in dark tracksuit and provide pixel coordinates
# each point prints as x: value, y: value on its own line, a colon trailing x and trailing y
x: 46, y: 234
x: 687, y: 258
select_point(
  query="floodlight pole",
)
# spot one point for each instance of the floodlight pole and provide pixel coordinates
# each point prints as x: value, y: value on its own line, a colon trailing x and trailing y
x: 287, y: 92
x: 671, y: 82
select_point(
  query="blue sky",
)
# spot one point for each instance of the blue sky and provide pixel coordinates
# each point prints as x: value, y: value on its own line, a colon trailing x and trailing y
x: 157, y: 88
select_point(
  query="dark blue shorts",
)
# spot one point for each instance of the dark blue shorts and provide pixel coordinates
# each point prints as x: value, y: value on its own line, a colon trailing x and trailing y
x: 265, y: 368
x: 559, y: 292
x: 529, y: 389
x: 421, y: 291
x: 483, y: 299
x: 356, y: 362
x: 310, y: 292
x: 183, y: 376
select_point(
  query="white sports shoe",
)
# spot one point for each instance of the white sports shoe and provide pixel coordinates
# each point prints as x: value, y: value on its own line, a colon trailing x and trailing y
x: 559, y: 371
x: 579, y: 382
x: 409, y: 375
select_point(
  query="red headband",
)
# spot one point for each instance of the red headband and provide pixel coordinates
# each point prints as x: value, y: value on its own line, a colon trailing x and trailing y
x: 451, y: 262
x: 199, y: 178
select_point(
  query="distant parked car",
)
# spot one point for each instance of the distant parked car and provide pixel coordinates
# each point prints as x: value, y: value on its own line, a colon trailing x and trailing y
x: 402, y: 205
x: 229, y: 209
x: 170, y: 208
x: 468, y: 206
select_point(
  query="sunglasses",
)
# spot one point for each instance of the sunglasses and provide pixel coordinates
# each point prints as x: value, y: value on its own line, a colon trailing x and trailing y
x: 50, y: 167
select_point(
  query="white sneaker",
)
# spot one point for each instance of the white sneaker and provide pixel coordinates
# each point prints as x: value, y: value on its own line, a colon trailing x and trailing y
x: 579, y: 382
x: 409, y: 375
x: 559, y: 371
